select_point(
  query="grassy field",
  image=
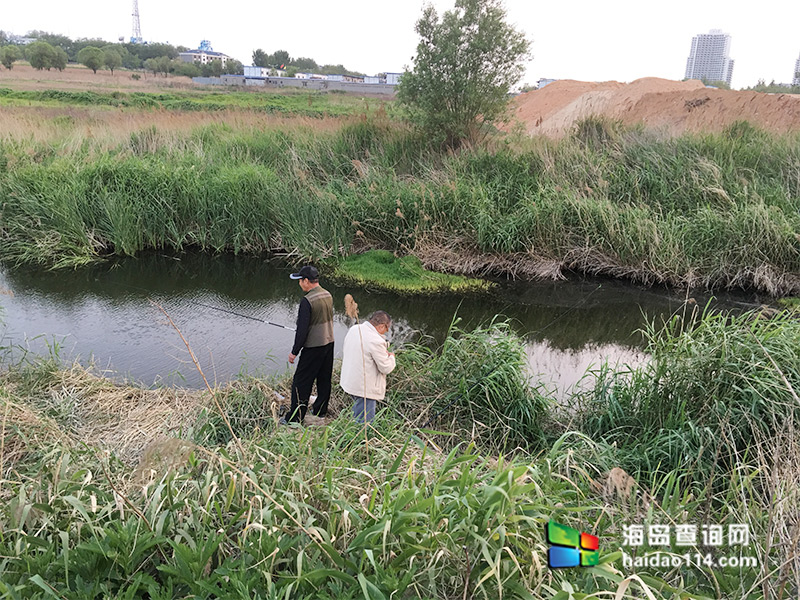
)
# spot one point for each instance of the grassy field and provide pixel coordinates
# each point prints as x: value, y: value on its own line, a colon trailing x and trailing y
x: 121, y: 492
x: 79, y: 78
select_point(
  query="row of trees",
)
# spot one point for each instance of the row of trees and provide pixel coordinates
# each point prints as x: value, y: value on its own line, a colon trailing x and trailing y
x: 41, y: 55
x: 280, y: 59
x: 96, y: 54
x: 776, y: 88
x: 133, y: 55
x: 164, y: 65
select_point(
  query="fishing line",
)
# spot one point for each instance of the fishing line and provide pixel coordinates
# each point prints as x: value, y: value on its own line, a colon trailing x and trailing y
x: 231, y: 312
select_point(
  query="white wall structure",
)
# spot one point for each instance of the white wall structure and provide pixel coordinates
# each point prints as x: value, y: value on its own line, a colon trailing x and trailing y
x: 709, y: 57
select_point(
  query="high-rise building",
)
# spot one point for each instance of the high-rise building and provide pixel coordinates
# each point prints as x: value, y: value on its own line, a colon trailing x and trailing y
x: 796, y: 77
x: 709, y: 58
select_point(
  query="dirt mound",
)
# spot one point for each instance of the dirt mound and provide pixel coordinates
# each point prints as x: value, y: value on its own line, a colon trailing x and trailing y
x: 675, y: 106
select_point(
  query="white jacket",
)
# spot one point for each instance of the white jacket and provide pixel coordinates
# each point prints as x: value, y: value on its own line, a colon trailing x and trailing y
x: 375, y: 359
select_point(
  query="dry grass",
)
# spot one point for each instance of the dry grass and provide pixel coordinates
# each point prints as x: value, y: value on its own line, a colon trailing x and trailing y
x: 22, y: 428
x: 106, y: 128
x: 94, y: 410
x: 78, y: 77
x: 462, y: 258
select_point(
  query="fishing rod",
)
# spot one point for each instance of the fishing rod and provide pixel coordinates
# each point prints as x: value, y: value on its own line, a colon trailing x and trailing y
x: 231, y: 312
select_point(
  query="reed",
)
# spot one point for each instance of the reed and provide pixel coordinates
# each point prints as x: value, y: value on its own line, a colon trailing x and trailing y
x: 426, y: 513
x: 609, y: 201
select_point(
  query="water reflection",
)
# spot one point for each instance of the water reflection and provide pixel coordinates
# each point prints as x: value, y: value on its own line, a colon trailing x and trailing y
x: 104, y: 312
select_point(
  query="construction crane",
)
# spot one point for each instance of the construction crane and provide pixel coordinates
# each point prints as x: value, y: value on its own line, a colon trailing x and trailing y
x: 136, y: 37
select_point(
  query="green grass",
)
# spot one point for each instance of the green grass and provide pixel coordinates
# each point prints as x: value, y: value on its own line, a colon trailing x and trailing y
x: 717, y: 210
x: 404, y: 275
x: 290, y: 102
x: 792, y: 303
x: 424, y: 510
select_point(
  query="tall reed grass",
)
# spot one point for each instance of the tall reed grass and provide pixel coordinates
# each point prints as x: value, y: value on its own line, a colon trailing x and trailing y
x: 717, y: 210
x: 419, y: 514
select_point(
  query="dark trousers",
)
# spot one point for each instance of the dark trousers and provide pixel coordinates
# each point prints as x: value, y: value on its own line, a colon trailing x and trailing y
x: 314, y: 364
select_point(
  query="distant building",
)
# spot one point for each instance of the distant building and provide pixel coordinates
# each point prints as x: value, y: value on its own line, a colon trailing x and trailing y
x: 796, y: 78
x: 709, y: 58
x: 393, y: 78
x: 204, y: 54
x: 543, y: 82
x: 20, y: 40
x: 258, y: 72
x: 371, y: 79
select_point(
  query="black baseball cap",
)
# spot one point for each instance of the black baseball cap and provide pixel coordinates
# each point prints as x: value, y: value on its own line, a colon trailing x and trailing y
x: 307, y: 272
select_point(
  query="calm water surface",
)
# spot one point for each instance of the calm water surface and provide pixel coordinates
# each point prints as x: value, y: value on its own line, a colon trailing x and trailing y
x: 103, y: 314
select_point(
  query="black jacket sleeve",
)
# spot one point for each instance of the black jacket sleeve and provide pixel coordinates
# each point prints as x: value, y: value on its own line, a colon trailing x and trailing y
x: 303, y: 321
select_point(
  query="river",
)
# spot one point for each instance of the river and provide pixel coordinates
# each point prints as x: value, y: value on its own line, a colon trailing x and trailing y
x: 104, y: 315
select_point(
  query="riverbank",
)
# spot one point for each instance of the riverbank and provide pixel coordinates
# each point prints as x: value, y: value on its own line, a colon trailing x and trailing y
x: 112, y: 489
x: 610, y: 201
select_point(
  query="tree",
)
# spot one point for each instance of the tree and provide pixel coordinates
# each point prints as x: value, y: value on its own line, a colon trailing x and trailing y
x: 260, y: 58
x: 463, y: 70
x: 60, y: 58
x: 8, y: 55
x: 234, y: 67
x: 151, y: 64
x: 92, y: 57
x: 212, y: 68
x: 41, y: 55
x: 185, y: 69
x: 112, y: 59
x: 305, y: 64
x: 280, y: 57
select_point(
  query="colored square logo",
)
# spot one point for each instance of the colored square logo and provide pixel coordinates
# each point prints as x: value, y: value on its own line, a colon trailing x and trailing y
x: 570, y: 547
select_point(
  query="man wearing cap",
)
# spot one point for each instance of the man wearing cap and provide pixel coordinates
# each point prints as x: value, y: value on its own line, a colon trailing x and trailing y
x: 315, y: 338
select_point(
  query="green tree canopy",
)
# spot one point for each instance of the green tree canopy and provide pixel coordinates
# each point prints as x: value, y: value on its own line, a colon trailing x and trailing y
x: 280, y: 57
x: 260, y: 58
x: 212, y: 68
x: 234, y: 67
x: 41, y: 55
x: 145, y: 51
x: 9, y: 55
x: 185, y: 69
x: 112, y: 58
x: 92, y: 57
x: 60, y: 58
x: 151, y: 64
x: 305, y: 64
x: 463, y: 71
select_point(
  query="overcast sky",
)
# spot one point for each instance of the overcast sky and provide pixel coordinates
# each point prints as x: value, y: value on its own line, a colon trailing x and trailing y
x: 588, y: 40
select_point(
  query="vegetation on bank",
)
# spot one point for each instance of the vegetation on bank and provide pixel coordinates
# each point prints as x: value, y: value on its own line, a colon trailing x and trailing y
x: 715, y: 210
x: 404, y: 275
x: 148, y: 497
x: 293, y: 102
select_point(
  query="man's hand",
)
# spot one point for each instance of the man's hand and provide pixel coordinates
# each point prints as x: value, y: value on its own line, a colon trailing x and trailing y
x: 291, y: 358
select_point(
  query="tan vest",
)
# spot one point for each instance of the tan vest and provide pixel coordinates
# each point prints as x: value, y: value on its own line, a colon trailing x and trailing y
x: 320, y: 330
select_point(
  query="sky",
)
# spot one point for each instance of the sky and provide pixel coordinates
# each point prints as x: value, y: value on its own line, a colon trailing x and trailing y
x: 588, y: 40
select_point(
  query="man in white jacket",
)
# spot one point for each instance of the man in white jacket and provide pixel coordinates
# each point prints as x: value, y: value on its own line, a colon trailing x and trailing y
x: 366, y: 361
